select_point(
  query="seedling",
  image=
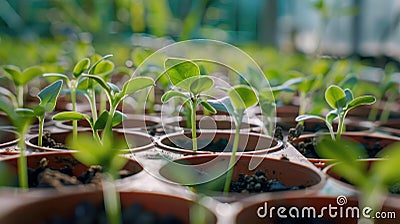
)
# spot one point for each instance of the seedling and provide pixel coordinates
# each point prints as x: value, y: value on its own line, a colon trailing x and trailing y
x: 373, y: 182
x: 185, y: 76
x: 241, y: 97
x: 115, y: 96
x: 107, y: 155
x: 48, y: 97
x: 20, y: 79
x: 341, y: 102
x: 79, y: 83
x: 21, y: 118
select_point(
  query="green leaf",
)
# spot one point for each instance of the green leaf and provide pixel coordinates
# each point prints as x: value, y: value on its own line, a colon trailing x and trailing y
x: 118, y: 118
x: 48, y: 96
x: 349, y: 95
x: 242, y: 97
x: 386, y: 170
x: 98, y: 59
x: 332, y: 115
x: 39, y: 111
x: 70, y: 116
x: 103, y: 68
x: 25, y: 112
x: 361, y: 100
x: 181, y: 70
x: 223, y: 105
x: 114, y: 87
x: 201, y: 84
x: 307, y: 117
x: 335, y: 97
x: 208, y: 107
x: 101, y: 121
x: 29, y: 74
x: 171, y: 94
x: 137, y: 83
x: 100, y: 81
x: 80, y: 67
x: 347, y: 153
x: 12, y: 72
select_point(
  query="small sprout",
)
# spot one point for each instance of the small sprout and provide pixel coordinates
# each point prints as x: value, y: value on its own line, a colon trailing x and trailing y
x: 48, y: 97
x: 185, y: 76
x: 241, y: 97
x: 341, y: 102
x: 21, y: 118
x: 20, y: 79
x: 106, y: 154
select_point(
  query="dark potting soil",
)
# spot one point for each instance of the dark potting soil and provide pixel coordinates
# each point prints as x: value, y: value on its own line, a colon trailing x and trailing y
x: 307, y: 148
x: 88, y: 213
x: 47, y: 177
x: 258, y: 183
x: 48, y: 141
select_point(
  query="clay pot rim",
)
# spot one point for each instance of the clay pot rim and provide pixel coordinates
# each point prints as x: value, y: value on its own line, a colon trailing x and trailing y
x: 279, y: 144
x: 169, y: 122
x: 150, y: 145
x: 12, y: 142
x: 63, y: 124
x: 242, y: 198
x: 350, y: 134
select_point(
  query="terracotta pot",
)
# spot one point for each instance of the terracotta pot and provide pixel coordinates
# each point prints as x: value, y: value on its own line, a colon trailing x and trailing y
x: 134, y: 122
x: 216, y: 122
x: 368, y: 139
x: 391, y: 127
x: 59, y: 160
x: 136, y: 141
x: 306, y: 205
x: 249, y: 143
x: 206, y: 173
x: 63, y: 206
x: 8, y: 138
x: 5, y: 123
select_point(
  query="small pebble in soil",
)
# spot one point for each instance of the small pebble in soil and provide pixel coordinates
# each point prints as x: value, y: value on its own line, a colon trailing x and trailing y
x: 258, y: 183
x: 88, y: 213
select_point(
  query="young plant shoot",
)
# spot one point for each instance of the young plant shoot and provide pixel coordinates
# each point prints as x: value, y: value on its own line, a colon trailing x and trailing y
x: 20, y: 79
x: 107, y: 154
x: 190, y: 85
x: 115, y: 96
x: 78, y: 83
x: 241, y: 97
x: 48, y: 98
x: 341, y: 102
x: 373, y: 182
x: 21, y: 118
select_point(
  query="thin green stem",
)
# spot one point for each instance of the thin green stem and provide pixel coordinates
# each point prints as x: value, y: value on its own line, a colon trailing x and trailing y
x: 193, y: 124
x: 41, y: 126
x: 111, y: 200
x: 20, y: 96
x: 340, y: 127
x: 74, y: 123
x: 103, y: 101
x: 92, y: 102
x: 108, y: 128
x: 233, y: 157
x: 22, y: 163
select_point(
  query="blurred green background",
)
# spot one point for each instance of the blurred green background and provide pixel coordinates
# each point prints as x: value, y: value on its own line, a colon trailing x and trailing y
x: 29, y: 29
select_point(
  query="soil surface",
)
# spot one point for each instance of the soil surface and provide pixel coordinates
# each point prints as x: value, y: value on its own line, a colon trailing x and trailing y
x: 49, y: 142
x: 47, y: 177
x: 219, y: 146
x: 88, y: 213
x: 258, y: 183
x: 307, y: 147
